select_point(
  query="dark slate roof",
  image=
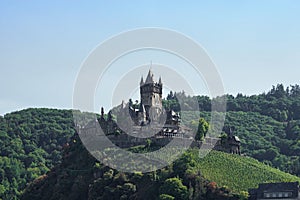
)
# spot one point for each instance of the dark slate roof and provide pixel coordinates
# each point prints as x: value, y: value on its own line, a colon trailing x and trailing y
x: 283, y: 186
x: 275, y: 187
x: 149, y: 78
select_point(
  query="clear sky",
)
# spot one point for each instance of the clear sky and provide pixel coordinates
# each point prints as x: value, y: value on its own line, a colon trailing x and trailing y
x: 254, y: 44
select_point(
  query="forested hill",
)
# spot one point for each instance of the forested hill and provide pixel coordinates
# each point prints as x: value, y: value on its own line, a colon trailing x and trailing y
x: 80, y: 176
x: 280, y: 103
x: 268, y: 123
x: 219, y: 176
x: 274, y: 143
x: 32, y: 141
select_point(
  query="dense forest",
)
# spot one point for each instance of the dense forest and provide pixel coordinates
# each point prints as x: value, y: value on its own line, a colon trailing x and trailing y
x: 263, y: 138
x: 80, y: 176
x: 31, y: 142
x: 268, y: 124
x: 34, y: 141
x: 280, y: 103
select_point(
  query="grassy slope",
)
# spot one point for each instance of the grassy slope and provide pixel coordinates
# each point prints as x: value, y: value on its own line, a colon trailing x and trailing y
x: 235, y: 172
x: 239, y: 173
x: 262, y: 138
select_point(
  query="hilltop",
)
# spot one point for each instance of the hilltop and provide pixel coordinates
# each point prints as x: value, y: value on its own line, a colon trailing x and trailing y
x: 33, y: 141
x: 217, y: 176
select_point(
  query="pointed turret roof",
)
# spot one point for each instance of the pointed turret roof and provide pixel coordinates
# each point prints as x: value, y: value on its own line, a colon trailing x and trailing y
x: 142, y: 81
x: 149, y: 78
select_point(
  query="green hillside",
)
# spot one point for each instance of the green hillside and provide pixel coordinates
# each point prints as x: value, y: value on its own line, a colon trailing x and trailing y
x: 217, y: 176
x: 32, y: 141
x: 262, y: 137
x: 239, y: 173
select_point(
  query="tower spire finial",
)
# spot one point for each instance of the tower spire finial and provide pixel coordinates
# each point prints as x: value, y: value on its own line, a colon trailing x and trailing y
x: 149, y: 78
x: 142, y: 81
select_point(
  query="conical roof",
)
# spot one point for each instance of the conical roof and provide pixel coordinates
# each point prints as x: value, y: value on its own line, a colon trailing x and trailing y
x: 142, y: 81
x: 149, y: 78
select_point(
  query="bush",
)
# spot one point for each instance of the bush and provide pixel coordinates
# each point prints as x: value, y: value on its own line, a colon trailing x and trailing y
x: 175, y: 188
x: 166, y: 197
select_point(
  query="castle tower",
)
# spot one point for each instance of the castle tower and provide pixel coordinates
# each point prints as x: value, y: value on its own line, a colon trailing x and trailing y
x: 151, y: 96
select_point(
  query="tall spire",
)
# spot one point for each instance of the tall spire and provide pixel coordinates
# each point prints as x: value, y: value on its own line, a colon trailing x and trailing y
x: 159, y: 81
x: 149, y: 78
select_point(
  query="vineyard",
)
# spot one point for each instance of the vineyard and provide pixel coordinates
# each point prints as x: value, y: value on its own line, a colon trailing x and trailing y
x: 237, y: 172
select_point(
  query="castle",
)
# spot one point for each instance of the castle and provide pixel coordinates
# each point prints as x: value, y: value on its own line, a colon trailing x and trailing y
x: 149, y: 119
x: 150, y: 108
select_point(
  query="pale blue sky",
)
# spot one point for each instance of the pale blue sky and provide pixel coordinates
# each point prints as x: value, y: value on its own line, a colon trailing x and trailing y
x: 255, y: 44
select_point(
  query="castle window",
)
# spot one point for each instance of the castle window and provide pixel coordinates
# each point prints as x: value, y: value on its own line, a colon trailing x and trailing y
x: 288, y: 194
x: 277, y: 194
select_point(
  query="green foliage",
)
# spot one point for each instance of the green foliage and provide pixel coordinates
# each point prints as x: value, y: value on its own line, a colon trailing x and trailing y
x: 280, y: 103
x: 175, y: 188
x: 237, y: 172
x: 184, y: 163
x: 80, y: 176
x: 166, y: 197
x: 31, y: 142
x: 202, y: 129
x: 262, y: 137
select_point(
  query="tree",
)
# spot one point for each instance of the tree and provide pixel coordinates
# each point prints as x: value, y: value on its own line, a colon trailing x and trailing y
x: 202, y: 129
x: 170, y: 96
x: 166, y: 197
x: 185, y: 162
x: 175, y: 188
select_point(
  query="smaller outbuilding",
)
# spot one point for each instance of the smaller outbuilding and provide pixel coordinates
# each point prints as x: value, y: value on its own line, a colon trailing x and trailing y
x: 282, y: 190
